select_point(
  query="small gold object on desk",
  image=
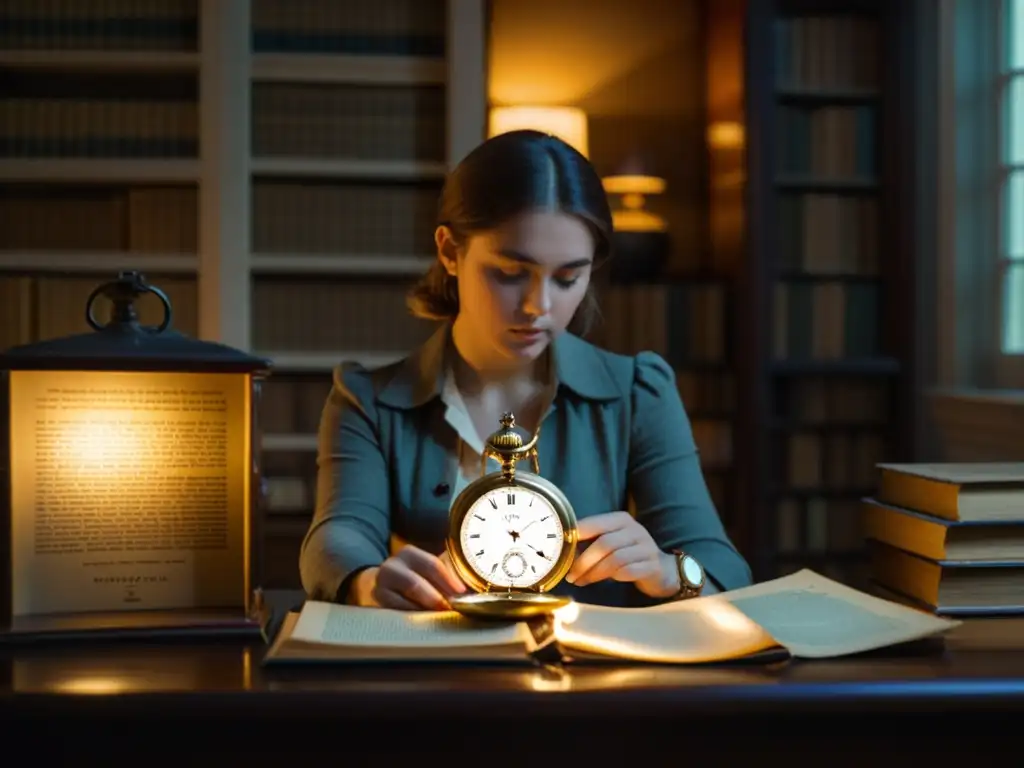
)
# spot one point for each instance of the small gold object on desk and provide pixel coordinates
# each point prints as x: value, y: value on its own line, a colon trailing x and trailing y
x: 128, y: 475
x: 512, y: 534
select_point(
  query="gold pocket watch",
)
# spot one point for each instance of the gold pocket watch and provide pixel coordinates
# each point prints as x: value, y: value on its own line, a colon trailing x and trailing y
x: 512, y: 534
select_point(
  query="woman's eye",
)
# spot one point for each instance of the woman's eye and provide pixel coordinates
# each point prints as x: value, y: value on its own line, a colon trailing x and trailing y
x: 567, y: 281
x: 509, y: 276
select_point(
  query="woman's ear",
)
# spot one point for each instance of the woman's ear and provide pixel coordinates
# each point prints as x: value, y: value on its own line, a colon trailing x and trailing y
x: 447, y: 252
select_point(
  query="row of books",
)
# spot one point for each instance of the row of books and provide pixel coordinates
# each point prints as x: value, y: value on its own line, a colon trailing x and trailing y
x: 949, y: 539
x: 830, y: 142
x: 684, y: 322
x: 371, y: 27
x: 368, y: 27
x: 294, y: 217
x: 818, y: 524
x: 841, y: 460
x: 331, y: 121
x: 289, y: 218
x: 97, y: 217
x: 348, y: 121
x: 98, y: 128
x: 131, y: 25
x: 828, y: 401
x: 827, y: 51
x: 826, y: 320
x: 822, y: 234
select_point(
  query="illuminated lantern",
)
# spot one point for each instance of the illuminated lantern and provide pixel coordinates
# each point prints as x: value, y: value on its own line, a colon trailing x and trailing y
x: 130, y: 477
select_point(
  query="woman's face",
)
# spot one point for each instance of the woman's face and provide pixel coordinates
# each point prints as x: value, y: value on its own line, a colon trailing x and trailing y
x: 521, y: 284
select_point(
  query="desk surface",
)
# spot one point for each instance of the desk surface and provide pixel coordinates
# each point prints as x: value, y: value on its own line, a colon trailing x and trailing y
x: 219, y: 690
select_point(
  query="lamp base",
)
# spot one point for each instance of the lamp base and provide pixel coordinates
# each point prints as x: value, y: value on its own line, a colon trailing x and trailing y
x: 638, y: 256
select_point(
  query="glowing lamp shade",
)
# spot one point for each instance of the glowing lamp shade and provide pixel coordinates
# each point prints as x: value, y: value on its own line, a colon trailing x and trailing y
x: 127, y: 477
x: 567, y: 123
x: 631, y: 193
x: 640, y: 239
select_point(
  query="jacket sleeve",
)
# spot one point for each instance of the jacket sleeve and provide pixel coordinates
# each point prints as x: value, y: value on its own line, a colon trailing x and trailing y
x: 351, y: 521
x: 668, y: 488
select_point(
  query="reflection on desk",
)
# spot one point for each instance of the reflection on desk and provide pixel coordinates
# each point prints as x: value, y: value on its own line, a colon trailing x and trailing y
x: 216, y: 696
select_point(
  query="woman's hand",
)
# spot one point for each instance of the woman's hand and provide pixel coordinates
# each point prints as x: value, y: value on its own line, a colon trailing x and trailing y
x: 412, y: 580
x: 623, y: 550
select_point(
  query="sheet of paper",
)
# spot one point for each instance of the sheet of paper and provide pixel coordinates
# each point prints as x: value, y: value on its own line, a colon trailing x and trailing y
x: 352, y: 626
x: 690, y: 632
x: 816, y: 617
x: 128, y: 490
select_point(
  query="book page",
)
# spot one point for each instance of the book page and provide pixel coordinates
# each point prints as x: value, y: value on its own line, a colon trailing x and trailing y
x: 691, y: 631
x: 353, y: 626
x: 815, y: 617
x: 128, y: 490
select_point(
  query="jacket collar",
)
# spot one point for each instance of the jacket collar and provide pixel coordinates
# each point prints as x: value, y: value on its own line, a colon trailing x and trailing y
x: 420, y: 377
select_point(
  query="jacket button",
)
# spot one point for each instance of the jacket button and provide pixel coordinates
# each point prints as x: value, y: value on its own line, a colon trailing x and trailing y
x: 441, y: 489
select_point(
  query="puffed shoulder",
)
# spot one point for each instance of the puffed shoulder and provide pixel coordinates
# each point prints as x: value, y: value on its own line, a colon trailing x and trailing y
x: 652, y: 375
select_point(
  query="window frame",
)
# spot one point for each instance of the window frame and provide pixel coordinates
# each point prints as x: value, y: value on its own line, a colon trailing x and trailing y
x: 1009, y: 368
x: 970, y: 183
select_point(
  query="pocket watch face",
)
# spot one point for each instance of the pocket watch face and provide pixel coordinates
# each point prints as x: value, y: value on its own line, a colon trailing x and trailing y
x: 512, y: 537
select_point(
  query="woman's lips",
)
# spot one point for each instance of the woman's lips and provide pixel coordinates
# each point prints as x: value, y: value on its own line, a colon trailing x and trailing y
x: 528, y: 334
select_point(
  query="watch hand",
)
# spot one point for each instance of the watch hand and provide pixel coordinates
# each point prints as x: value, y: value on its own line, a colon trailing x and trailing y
x: 539, y: 552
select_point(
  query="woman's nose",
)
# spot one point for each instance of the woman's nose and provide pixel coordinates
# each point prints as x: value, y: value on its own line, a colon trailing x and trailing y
x: 537, y: 302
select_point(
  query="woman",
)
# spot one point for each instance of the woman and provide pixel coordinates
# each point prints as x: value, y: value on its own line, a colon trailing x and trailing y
x: 523, y: 224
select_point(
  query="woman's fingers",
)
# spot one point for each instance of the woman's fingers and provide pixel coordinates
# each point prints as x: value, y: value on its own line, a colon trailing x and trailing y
x: 433, y: 570
x: 398, y: 578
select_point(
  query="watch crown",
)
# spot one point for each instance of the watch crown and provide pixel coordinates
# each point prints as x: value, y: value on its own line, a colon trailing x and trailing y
x: 506, y: 438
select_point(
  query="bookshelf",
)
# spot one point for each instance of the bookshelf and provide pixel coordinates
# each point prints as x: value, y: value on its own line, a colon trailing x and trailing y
x: 272, y: 164
x: 828, y: 373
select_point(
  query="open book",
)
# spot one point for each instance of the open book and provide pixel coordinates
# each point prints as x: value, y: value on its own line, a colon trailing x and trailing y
x: 805, y: 614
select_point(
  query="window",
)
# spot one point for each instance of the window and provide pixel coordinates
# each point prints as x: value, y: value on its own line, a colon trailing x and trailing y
x: 1011, y: 214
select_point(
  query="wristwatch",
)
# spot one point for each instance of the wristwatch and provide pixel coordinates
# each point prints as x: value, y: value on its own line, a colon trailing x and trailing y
x: 691, y: 576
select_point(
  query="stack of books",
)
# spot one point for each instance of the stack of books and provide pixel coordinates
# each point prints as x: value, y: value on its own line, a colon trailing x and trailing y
x: 949, y: 539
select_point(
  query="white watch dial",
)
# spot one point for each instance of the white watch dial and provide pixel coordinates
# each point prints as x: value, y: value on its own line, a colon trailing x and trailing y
x: 512, y: 537
x: 692, y: 571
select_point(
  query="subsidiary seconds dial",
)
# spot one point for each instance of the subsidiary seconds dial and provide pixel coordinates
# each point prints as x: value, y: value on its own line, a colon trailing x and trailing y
x: 512, y: 537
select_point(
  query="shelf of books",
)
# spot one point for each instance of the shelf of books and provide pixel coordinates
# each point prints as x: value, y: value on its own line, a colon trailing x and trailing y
x: 326, y: 130
x: 830, y: 368
x: 99, y: 143
x: 352, y: 123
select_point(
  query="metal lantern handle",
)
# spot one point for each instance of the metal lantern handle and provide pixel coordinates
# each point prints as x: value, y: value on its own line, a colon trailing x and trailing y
x: 122, y: 293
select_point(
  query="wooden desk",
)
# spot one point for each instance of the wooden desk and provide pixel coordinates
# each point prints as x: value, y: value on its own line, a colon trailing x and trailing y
x: 214, y: 696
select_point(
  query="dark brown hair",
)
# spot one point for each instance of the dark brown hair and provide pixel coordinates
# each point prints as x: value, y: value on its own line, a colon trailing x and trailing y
x: 507, y: 175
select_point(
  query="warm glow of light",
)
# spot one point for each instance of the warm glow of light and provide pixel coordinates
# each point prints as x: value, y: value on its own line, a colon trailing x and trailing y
x: 95, y: 441
x: 567, y: 614
x: 631, y: 190
x: 93, y: 686
x: 631, y: 184
x: 726, y: 135
x: 567, y: 123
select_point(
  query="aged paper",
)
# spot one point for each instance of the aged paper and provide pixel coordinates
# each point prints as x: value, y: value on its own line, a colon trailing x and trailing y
x: 332, y: 624
x: 815, y: 617
x: 129, y: 490
x: 327, y: 631
x: 693, y: 631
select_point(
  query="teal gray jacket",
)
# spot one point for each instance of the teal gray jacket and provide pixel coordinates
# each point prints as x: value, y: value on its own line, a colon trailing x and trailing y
x: 616, y: 432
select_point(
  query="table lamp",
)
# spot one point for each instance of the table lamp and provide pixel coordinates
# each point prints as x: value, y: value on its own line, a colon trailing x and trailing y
x: 567, y: 123
x: 129, y: 477
x: 640, y: 239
